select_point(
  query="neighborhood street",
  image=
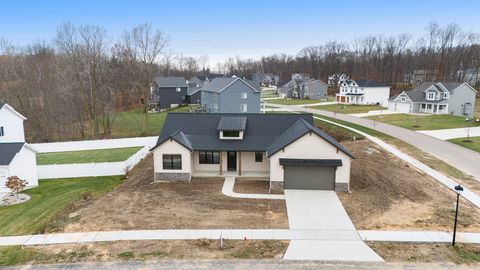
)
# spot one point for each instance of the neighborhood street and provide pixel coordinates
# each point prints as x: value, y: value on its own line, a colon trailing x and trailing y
x: 459, y: 157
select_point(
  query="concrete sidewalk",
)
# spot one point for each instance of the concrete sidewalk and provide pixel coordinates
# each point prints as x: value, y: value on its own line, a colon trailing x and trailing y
x: 375, y: 112
x: 452, y: 133
x: 236, y: 234
x: 227, y: 190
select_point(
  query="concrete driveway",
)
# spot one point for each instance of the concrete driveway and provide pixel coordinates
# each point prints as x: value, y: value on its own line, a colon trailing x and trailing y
x: 459, y: 157
x: 322, y: 211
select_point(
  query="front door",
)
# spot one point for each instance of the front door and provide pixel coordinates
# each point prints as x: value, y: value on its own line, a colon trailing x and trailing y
x: 232, y: 161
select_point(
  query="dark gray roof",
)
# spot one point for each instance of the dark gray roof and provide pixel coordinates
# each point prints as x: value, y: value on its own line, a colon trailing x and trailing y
x: 369, y: 83
x: 218, y: 84
x: 8, y: 151
x: 308, y: 162
x: 171, y: 82
x: 230, y: 123
x: 450, y: 86
x: 263, y: 132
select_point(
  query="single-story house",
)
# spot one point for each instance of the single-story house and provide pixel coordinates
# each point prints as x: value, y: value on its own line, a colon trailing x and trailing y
x: 363, y: 92
x: 287, y: 149
x: 456, y: 98
x: 16, y: 157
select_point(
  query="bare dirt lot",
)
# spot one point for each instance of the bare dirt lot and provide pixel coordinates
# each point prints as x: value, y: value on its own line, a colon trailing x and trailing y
x: 388, y: 194
x: 250, y: 186
x: 149, y: 250
x: 141, y: 204
x: 427, y: 253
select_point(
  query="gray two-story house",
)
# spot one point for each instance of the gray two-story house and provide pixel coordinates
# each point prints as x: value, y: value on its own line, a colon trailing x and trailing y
x: 168, y: 92
x: 456, y: 98
x: 302, y: 87
x: 231, y: 95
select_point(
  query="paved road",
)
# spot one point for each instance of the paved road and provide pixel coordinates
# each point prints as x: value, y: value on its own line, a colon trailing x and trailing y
x: 459, y: 157
x: 242, y: 265
x: 338, y: 240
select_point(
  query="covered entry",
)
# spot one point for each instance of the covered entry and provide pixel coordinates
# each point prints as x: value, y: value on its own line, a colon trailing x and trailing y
x: 316, y: 174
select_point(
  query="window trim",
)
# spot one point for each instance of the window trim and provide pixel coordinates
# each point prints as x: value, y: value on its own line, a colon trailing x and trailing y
x: 231, y: 134
x: 244, y: 95
x: 208, y: 157
x: 169, y: 163
x: 179, y: 89
x: 2, y: 131
x: 242, y: 108
x: 258, y: 156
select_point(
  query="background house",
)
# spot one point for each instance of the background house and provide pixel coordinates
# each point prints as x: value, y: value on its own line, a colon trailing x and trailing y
x: 302, y: 87
x: 266, y: 78
x: 363, y: 92
x: 231, y: 95
x: 437, y: 98
x: 419, y: 76
x: 287, y: 149
x: 168, y: 92
x: 16, y: 156
x: 470, y: 76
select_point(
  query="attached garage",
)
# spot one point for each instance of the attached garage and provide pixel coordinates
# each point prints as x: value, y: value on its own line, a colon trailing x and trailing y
x: 316, y: 174
x: 399, y: 107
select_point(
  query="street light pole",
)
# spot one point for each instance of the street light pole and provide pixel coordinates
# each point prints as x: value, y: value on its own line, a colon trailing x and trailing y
x: 458, y: 190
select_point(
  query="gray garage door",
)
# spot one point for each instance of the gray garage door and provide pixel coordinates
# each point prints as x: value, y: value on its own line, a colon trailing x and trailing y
x: 309, y: 177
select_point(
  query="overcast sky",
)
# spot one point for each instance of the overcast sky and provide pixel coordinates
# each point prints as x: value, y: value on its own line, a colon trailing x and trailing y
x: 245, y: 28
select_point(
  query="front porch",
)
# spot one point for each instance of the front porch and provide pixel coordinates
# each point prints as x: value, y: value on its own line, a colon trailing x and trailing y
x: 351, y: 98
x: 239, y: 164
x: 433, y: 108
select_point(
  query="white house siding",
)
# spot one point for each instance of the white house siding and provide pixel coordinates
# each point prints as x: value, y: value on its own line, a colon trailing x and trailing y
x: 23, y: 165
x: 12, y: 124
x: 197, y: 167
x: 249, y: 164
x: 173, y: 148
x: 310, y: 146
x: 3, y: 178
x: 374, y: 95
x: 458, y: 98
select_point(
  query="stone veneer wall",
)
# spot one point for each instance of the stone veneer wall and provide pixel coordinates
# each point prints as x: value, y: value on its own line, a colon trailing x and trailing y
x: 341, y: 187
x: 172, y: 177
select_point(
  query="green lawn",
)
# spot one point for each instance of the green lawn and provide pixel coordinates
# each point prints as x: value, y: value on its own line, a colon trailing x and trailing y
x: 425, y: 122
x: 269, y: 93
x: 130, y: 123
x: 473, y: 144
x: 50, y: 201
x: 285, y: 101
x: 87, y: 156
x: 348, y: 109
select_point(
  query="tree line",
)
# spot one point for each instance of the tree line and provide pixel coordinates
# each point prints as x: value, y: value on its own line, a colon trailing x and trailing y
x: 71, y: 86
x: 387, y: 59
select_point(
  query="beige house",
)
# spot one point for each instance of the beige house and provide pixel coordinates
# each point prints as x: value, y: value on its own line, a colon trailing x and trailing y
x: 285, y: 149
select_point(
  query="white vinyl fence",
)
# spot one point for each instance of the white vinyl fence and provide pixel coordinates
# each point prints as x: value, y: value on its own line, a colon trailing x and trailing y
x: 94, y: 144
x: 91, y: 169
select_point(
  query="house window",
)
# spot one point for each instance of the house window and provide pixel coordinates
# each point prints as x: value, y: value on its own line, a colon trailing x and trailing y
x: 243, y: 107
x: 179, y: 89
x: 172, y: 162
x: 215, y: 107
x: 2, y: 132
x: 244, y: 95
x: 231, y: 134
x: 431, y: 96
x: 209, y: 157
x: 445, y: 95
x: 423, y: 106
x: 258, y: 156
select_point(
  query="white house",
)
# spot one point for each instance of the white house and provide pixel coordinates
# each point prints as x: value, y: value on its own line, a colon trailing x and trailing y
x: 16, y: 156
x: 363, y: 92
x: 287, y: 149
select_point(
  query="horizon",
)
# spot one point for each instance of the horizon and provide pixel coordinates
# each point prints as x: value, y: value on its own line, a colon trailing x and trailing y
x: 260, y: 28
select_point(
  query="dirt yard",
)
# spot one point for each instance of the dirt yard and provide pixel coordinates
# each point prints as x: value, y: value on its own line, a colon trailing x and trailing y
x: 251, y: 186
x: 427, y: 253
x: 148, y: 250
x: 141, y: 204
x: 388, y: 194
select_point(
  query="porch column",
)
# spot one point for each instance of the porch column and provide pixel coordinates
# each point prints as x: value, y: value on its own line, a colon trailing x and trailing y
x: 221, y: 159
x: 239, y: 163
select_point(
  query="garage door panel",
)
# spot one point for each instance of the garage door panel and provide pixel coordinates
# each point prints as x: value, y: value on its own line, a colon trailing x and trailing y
x: 309, y: 177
